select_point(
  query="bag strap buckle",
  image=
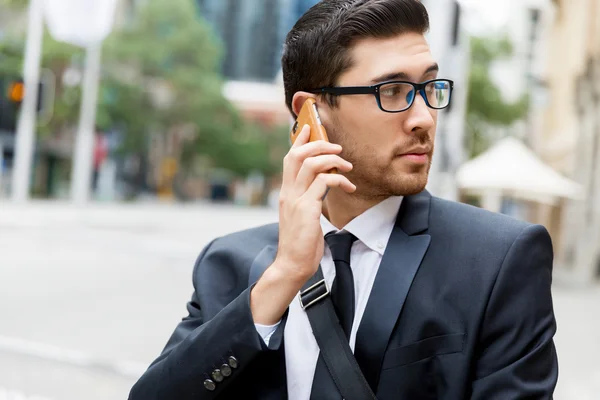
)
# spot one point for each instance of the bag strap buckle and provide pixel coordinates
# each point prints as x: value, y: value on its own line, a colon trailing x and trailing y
x: 313, y: 294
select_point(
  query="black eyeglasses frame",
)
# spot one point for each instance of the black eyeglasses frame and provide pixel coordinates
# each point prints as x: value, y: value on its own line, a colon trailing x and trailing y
x: 375, y: 91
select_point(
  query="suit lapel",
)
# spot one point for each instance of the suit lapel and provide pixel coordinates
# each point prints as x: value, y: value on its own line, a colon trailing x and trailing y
x: 399, y: 265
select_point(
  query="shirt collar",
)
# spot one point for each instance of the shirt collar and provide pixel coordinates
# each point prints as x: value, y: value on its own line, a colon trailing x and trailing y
x: 374, y: 226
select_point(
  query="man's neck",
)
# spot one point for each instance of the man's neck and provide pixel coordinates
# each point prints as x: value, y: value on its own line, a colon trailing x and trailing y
x: 340, y: 207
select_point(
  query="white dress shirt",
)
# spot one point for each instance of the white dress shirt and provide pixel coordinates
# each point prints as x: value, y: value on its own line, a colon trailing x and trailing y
x: 373, y: 229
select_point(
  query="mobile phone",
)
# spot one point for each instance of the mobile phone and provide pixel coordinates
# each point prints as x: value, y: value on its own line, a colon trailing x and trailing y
x: 309, y: 115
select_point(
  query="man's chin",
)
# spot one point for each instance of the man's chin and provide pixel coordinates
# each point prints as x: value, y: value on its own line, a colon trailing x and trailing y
x: 413, y: 190
x: 409, y: 184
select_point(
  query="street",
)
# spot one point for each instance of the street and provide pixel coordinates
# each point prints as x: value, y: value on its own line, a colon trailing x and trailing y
x: 88, y: 297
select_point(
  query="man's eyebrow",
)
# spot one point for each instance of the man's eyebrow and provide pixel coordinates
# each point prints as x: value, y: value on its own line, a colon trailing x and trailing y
x: 403, y: 75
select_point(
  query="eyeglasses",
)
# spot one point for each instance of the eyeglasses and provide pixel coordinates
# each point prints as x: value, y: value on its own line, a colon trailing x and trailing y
x: 398, y: 96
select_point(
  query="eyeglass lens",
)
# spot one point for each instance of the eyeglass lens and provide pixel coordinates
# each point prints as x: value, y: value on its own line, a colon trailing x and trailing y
x: 399, y: 96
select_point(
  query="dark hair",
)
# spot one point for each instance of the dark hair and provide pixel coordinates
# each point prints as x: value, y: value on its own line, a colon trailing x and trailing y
x: 315, y: 52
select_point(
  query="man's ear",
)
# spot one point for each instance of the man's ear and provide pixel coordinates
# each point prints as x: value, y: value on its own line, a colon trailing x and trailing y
x: 299, y: 99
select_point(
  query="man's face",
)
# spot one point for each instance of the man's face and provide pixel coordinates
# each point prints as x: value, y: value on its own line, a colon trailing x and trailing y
x: 391, y: 152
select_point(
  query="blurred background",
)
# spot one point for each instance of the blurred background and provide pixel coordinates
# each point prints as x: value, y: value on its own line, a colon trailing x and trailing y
x: 132, y: 132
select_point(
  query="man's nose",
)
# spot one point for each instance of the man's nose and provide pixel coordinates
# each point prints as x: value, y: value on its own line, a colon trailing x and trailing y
x: 419, y: 115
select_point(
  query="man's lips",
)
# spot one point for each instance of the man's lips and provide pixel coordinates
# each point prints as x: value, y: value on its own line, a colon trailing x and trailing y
x: 420, y: 158
x: 419, y: 155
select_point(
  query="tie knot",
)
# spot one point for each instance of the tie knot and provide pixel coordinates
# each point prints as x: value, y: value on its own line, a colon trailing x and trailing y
x: 340, y: 245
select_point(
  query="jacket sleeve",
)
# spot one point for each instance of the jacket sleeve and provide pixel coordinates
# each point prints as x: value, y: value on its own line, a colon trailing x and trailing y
x: 516, y: 354
x: 198, y: 347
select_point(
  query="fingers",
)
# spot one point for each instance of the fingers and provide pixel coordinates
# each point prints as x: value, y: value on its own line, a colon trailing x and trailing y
x: 306, y: 166
x: 323, y: 181
x: 303, y: 137
x: 313, y: 166
x: 294, y: 159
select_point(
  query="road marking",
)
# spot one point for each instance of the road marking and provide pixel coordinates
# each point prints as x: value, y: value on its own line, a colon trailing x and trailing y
x: 6, y: 394
x: 130, y: 369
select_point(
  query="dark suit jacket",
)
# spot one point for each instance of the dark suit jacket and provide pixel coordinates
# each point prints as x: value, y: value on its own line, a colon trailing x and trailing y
x: 461, y: 308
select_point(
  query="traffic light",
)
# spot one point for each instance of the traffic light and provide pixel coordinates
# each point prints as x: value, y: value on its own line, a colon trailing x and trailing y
x: 11, y: 96
x: 12, y: 93
x: 16, y: 91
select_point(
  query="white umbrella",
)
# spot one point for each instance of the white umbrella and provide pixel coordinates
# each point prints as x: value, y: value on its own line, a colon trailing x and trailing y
x: 511, y: 168
x: 80, y: 22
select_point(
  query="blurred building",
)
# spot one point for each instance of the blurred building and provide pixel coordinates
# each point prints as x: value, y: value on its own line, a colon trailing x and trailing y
x: 253, y: 32
x: 528, y: 29
x: 250, y: 31
x: 570, y: 138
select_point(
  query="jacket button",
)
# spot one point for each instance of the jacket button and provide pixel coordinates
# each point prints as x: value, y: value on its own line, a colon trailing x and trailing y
x: 233, y: 362
x: 226, y: 370
x: 209, y: 385
x: 217, y: 375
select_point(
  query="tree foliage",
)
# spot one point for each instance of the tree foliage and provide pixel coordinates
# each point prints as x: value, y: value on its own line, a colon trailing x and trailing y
x: 169, y: 45
x: 18, y: 4
x: 485, y: 105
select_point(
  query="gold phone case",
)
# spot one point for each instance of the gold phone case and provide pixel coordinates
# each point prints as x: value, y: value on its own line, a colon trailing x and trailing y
x: 309, y: 115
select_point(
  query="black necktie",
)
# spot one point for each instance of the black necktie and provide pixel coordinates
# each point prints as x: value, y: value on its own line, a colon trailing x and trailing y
x: 342, y: 296
x: 342, y: 290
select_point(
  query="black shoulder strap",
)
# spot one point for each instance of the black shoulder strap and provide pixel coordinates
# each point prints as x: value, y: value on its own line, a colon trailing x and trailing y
x: 332, y: 340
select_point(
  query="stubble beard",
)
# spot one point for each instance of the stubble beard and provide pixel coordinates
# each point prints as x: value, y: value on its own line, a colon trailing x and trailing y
x: 378, y: 179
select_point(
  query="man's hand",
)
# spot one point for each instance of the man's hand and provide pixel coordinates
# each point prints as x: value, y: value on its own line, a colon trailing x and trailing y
x: 305, y: 182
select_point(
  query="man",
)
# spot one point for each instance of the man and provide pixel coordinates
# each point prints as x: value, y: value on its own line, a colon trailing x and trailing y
x: 100, y: 155
x: 447, y: 301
